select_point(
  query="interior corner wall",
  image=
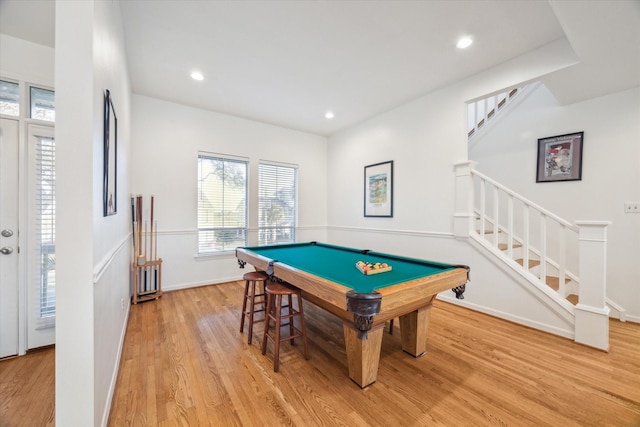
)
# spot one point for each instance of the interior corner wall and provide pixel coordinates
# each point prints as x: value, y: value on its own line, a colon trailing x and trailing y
x: 167, y: 138
x: 424, y: 138
x: 507, y: 152
x: 74, y: 214
x: 112, y: 234
x: 92, y: 251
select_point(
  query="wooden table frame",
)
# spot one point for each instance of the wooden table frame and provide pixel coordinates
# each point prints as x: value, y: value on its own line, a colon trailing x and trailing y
x: 410, y: 301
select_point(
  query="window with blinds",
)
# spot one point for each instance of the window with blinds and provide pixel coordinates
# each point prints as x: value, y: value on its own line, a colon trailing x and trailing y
x: 277, y: 204
x: 222, y: 203
x: 45, y: 224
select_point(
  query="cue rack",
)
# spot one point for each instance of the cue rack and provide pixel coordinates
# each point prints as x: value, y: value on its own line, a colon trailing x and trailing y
x: 146, y: 266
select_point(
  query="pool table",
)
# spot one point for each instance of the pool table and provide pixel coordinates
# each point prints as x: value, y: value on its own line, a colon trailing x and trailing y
x: 328, y: 277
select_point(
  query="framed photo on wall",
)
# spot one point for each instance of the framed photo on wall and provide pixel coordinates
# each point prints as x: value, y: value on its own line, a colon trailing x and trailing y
x: 560, y: 158
x: 378, y: 189
x: 110, y: 187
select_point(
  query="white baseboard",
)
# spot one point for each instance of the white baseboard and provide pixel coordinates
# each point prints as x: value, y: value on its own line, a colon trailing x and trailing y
x: 565, y: 333
x: 179, y: 286
x: 114, y: 376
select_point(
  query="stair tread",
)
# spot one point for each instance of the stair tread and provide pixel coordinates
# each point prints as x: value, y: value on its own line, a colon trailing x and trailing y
x: 554, y: 282
x: 504, y: 246
x: 489, y: 231
x: 532, y: 262
x: 573, y: 299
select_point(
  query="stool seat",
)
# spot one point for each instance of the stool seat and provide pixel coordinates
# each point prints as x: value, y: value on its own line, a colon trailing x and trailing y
x: 276, y: 288
x: 256, y: 300
x: 279, y: 312
x: 255, y: 275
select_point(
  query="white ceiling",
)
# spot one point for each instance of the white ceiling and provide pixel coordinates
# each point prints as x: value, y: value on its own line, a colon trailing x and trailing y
x: 32, y: 20
x: 288, y: 62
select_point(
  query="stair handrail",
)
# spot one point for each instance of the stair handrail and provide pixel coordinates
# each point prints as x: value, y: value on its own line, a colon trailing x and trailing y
x: 527, y: 202
x: 564, y: 276
x: 499, y: 102
x: 590, y: 314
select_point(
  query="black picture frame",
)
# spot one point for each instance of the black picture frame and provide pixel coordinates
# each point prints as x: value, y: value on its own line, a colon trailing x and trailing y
x: 560, y: 158
x: 378, y: 190
x: 110, y: 181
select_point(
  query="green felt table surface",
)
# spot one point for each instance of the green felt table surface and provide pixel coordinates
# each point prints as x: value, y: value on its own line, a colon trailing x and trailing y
x: 338, y: 264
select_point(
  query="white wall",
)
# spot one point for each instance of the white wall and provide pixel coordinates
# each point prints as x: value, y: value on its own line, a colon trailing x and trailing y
x: 166, y: 140
x: 507, y: 152
x: 92, y: 250
x: 425, y: 138
x: 23, y: 60
x: 111, y: 250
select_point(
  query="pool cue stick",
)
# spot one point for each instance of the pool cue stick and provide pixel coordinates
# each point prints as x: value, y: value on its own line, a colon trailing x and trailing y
x: 146, y: 242
x: 154, y: 269
x: 151, y: 236
x: 135, y: 256
x: 150, y: 253
x: 133, y: 222
x: 156, y: 242
x: 139, y: 220
x: 146, y: 239
x: 135, y: 246
x: 139, y: 224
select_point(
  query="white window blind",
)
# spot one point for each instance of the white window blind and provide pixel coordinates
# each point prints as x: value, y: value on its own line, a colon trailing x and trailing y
x: 45, y: 224
x: 222, y: 203
x: 277, y: 204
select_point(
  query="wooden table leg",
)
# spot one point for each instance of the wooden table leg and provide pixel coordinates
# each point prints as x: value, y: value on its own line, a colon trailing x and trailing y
x: 363, y: 356
x: 414, y: 329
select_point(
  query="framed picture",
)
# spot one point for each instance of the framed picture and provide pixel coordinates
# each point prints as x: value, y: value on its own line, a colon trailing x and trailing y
x: 110, y: 188
x: 378, y: 189
x: 560, y: 158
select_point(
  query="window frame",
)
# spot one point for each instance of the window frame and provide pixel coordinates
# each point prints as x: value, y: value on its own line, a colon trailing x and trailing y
x: 30, y: 105
x: 293, y: 218
x: 19, y: 101
x: 44, y: 161
x: 242, y: 232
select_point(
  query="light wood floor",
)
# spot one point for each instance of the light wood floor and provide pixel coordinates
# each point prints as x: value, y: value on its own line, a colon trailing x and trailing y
x: 27, y: 390
x: 185, y: 364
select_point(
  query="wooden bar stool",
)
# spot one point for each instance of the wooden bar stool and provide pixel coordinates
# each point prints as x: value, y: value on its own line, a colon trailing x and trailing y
x: 256, y: 301
x: 278, y: 312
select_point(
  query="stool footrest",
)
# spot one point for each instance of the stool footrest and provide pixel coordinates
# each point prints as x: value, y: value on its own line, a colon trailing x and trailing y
x: 254, y: 301
x: 283, y: 316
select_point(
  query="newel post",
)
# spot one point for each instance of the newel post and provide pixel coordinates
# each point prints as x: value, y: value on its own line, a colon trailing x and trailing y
x: 592, y: 313
x: 463, y: 217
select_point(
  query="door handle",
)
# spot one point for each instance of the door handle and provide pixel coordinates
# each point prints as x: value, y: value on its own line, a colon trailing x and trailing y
x: 6, y: 250
x: 7, y: 233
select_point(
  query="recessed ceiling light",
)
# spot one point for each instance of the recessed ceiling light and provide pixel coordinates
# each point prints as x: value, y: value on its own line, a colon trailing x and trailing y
x: 197, y: 76
x: 464, y: 42
x: 329, y: 115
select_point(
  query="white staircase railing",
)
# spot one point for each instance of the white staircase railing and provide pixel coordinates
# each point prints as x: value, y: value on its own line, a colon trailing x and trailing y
x: 528, y: 234
x: 483, y: 110
x: 560, y: 258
